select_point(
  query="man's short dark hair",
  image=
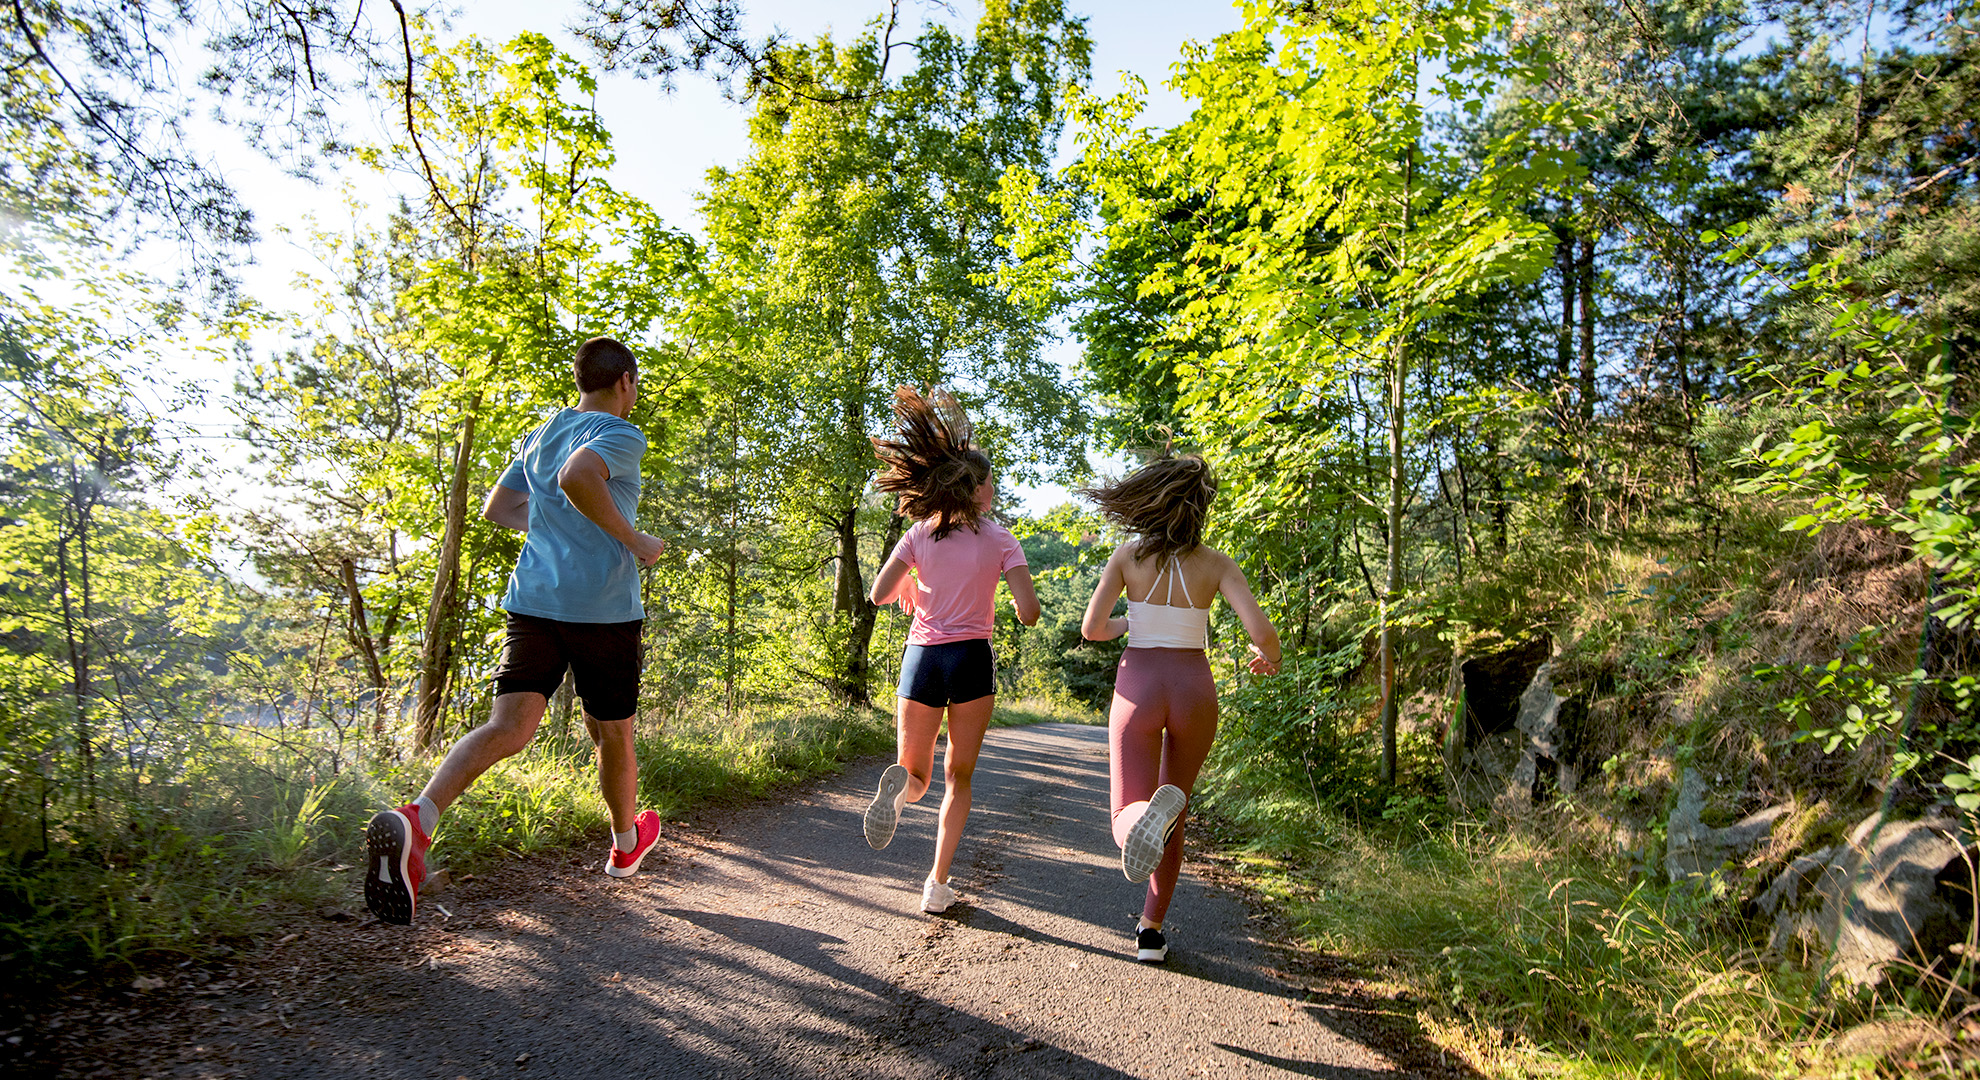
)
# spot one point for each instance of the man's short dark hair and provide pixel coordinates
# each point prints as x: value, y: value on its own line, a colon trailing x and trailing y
x: 601, y: 362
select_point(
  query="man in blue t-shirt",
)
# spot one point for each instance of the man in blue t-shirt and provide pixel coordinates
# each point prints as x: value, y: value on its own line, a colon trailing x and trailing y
x: 573, y: 602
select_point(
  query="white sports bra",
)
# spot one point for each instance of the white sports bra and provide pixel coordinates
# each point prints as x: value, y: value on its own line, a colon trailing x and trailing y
x: 1162, y: 626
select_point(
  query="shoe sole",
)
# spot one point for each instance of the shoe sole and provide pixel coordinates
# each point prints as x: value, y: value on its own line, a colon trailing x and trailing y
x: 628, y: 871
x: 388, y: 844
x: 1153, y: 956
x: 1150, y: 836
x: 884, y: 816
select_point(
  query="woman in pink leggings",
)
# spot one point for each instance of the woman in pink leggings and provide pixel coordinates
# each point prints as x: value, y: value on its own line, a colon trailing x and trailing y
x: 1164, y: 715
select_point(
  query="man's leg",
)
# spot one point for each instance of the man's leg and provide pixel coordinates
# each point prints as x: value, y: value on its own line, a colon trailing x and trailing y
x: 606, y: 662
x: 618, y: 768
x: 503, y: 735
x: 396, y: 840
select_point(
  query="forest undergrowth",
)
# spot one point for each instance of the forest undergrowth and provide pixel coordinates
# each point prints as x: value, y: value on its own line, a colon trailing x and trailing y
x: 1550, y: 942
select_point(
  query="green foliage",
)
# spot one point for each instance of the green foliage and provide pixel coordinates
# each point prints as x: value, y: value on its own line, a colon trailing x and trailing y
x: 1306, y: 729
x: 1872, y: 435
x: 187, y: 863
x: 851, y: 253
x: 1052, y: 660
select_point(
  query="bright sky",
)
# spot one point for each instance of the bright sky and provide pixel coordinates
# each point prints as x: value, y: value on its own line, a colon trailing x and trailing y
x: 666, y: 143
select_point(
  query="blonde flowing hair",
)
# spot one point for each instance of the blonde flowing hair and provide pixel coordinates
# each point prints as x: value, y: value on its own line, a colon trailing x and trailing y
x: 1164, y: 503
x: 931, y: 463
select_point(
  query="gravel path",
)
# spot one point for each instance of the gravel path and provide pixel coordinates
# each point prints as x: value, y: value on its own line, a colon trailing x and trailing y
x: 775, y: 943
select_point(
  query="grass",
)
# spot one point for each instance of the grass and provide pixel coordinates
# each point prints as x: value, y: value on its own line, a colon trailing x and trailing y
x: 247, y: 834
x: 1531, y: 953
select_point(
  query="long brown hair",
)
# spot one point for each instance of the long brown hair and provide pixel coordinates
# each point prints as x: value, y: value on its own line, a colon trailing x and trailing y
x: 931, y: 464
x: 1165, y: 503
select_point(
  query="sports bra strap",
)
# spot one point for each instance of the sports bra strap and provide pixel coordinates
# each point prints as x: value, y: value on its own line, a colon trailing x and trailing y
x: 1174, y: 570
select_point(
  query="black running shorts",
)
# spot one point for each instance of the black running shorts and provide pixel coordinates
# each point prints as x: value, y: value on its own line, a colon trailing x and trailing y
x: 948, y: 674
x: 605, y: 658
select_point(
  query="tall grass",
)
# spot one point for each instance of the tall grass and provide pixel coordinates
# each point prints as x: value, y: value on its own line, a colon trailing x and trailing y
x: 1534, y: 953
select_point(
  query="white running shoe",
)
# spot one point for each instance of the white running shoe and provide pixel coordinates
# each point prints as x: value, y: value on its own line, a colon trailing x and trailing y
x: 1147, y: 838
x: 936, y: 896
x: 885, y: 813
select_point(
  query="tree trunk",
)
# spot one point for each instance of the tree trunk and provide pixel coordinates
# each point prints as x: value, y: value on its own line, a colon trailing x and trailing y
x: 565, y: 708
x: 850, y: 595
x: 1395, y: 391
x: 75, y: 625
x: 360, y: 631
x: 1681, y: 354
x: 1393, y: 586
x: 1564, y: 337
x: 436, y: 652
x: 1585, y: 285
x: 733, y: 569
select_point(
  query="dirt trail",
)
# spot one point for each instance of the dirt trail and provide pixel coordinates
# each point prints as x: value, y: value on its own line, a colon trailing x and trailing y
x: 774, y: 943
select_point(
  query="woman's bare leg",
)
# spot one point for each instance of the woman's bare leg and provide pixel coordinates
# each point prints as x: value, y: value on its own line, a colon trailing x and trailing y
x: 967, y: 722
x: 916, y: 726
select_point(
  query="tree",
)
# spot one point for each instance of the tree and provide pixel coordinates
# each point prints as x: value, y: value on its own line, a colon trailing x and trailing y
x: 108, y: 598
x: 452, y: 333
x: 1329, y: 228
x: 860, y: 236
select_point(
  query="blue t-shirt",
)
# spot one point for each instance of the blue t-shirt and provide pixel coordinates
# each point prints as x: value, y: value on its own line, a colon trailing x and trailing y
x: 571, y: 570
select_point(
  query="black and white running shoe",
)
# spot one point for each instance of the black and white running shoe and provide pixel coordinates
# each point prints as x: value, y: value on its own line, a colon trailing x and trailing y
x: 1150, y: 946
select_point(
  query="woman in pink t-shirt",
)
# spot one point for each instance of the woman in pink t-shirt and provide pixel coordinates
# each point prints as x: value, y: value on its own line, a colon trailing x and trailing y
x: 944, y: 572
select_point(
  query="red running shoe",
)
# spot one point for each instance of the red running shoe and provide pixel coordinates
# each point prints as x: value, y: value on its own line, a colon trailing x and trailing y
x: 626, y: 863
x: 395, y: 865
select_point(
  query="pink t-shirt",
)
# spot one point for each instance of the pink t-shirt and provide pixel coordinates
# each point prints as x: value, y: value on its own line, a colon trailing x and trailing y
x: 955, y: 579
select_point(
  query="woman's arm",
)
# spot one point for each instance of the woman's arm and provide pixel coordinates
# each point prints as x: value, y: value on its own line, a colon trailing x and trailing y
x: 1023, y: 596
x: 1265, y: 655
x: 894, y: 583
x: 1100, y: 623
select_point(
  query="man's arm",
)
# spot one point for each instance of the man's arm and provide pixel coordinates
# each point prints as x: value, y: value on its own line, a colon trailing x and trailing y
x: 583, y: 481
x: 507, y: 507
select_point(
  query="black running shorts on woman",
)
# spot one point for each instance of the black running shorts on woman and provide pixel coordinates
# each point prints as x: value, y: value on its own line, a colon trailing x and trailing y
x: 604, y: 657
x: 948, y: 674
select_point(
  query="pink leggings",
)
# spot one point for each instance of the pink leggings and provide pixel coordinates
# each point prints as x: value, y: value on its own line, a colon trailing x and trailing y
x: 1159, y: 692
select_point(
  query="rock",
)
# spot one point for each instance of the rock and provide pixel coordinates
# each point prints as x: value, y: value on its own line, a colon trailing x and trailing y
x: 1788, y: 886
x: 1881, y: 902
x: 1876, y: 900
x: 1693, y: 848
x: 1539, y: 721
x: 1888, y: 1040
x: 437, y: 882
x: 1484, y: 745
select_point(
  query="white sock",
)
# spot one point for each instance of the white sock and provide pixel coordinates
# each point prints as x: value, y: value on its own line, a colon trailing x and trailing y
x: 429, y: 814
x: 626, y: 841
